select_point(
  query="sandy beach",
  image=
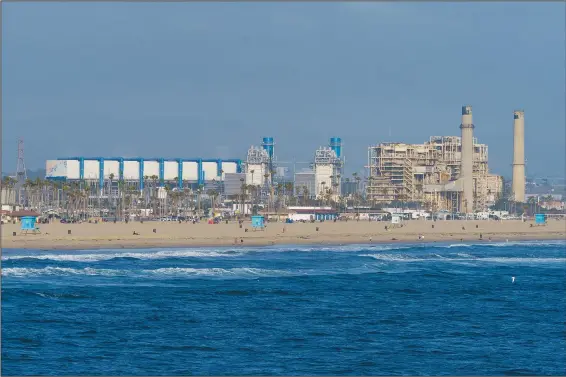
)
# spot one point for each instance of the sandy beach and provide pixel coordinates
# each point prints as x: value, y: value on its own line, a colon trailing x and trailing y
x: 121, y: 235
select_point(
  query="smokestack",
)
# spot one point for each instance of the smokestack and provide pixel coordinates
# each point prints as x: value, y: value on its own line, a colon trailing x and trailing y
x: 466, y: 163
x: 519, y: 156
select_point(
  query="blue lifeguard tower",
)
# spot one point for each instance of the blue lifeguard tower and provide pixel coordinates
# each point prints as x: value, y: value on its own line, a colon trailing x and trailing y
x: 257, y: 222
x: 540, y: 219
x: 28, y: 225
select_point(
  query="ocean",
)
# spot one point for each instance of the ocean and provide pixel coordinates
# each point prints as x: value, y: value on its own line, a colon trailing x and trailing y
x: 402, y: 309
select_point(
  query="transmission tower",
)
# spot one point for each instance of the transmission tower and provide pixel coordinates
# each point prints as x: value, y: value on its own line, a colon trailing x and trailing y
x: 21, y: 174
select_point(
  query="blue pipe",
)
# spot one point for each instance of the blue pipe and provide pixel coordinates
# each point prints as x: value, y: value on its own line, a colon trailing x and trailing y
x: 121, y: 168
x: 180, y: 173
x: 101, y: 173
x: 141, y: 173
x: 81, y: 168
x: 200, y: 172
x: 219, y: 168
x: 161, y: 172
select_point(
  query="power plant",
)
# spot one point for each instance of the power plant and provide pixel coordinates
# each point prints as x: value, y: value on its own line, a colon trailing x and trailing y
x: 446, y: 173
x: 518, y: 186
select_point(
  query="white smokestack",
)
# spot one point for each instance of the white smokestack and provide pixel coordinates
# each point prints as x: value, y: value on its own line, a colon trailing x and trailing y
x: 466, y: 163
x: 519, y: 156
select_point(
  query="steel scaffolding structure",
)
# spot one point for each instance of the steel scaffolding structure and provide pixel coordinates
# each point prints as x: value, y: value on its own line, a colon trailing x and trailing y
x: 421, y: 173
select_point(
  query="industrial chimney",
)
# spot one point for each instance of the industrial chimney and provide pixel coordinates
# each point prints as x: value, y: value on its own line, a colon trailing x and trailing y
x: 466, y: 163
x: 519, y: 156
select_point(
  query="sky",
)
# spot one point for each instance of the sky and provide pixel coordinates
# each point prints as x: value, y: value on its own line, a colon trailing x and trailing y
x: 211, y: 79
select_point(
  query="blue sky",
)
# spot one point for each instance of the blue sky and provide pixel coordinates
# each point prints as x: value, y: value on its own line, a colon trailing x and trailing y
x: 209, y: 80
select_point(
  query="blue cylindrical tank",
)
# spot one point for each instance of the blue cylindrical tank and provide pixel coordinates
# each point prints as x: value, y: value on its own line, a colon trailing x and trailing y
x: 268, y: 145
x: 336, y: 145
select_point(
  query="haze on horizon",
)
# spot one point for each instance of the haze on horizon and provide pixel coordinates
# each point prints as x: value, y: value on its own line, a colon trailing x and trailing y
x: 210, y: 79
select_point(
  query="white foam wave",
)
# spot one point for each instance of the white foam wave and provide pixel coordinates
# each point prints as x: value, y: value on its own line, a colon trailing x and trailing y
x: 194, y: 253
x: 221, y: 272
x: 166, y: 254
x: 160, y: 272
x: 394, y: 257
x: 59, y: 271
x: 462, y: 258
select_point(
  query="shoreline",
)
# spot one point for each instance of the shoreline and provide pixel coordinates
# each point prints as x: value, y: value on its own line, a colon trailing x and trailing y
x: 174, y: 235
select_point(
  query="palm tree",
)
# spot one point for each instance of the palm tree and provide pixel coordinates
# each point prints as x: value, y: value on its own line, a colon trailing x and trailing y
x: 327, y: 195
x: 200, y: 189
x: 212, y: 194
x: 288, y: 190
x: 9, y: 183
x: 305, y: 191
x: 266, y: 176
x: 242, y: 193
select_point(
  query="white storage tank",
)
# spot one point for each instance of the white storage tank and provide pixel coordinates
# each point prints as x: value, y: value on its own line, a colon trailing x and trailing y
x: 112, y: 167
x: 171, y: 170
x: 151, y: 168
x: 92, y: 169
x: 131, y: 170
x: 56, y: 169
x: 190, y: 171
x: 73, y: 169
x: 210, y: 170
x: 229, y: 167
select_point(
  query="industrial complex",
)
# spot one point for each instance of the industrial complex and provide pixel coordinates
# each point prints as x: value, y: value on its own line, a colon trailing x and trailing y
x: 444, y: 173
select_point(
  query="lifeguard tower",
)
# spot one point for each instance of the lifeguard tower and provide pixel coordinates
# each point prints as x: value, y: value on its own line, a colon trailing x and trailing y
x: 396, y: 221
x: 540, y: 219
x: 257, y: 223
x: 28, y: 225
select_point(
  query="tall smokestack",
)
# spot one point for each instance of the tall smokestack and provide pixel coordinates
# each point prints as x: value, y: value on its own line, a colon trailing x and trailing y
x: 519, y: 156
x: 466, y: 163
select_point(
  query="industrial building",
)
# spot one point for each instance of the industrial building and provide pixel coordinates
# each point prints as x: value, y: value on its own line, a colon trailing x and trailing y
x: 305, y: 184
x: 259, y: 164
x: 445, y: 173
x: 324, y: 178
x: 328, y: 169
x: 137, y: 172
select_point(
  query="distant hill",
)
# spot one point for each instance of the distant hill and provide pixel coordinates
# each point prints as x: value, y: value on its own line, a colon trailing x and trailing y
x: 31, y: 174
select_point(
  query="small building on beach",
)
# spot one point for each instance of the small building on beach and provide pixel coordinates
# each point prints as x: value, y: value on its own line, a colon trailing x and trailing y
x: 312, y: 213
x: 17, y: 215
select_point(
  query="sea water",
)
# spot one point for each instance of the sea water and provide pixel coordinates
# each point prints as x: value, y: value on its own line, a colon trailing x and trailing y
x: 403, y: 309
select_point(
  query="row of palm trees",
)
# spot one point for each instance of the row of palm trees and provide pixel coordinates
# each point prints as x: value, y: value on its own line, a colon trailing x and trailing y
x: 83, y: 198
x: 123, y: 198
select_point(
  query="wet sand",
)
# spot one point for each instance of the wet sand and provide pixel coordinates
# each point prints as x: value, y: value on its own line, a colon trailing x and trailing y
x: 170, y: 234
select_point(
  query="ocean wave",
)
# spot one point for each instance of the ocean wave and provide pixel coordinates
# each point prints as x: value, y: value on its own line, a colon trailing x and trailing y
x: 150, y: 254
x: 461, y: 257
x: 166, y: 254
x: 193, y: 253
x: 160, y: 272
x: 241, y: 272
x: 59, y: 271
